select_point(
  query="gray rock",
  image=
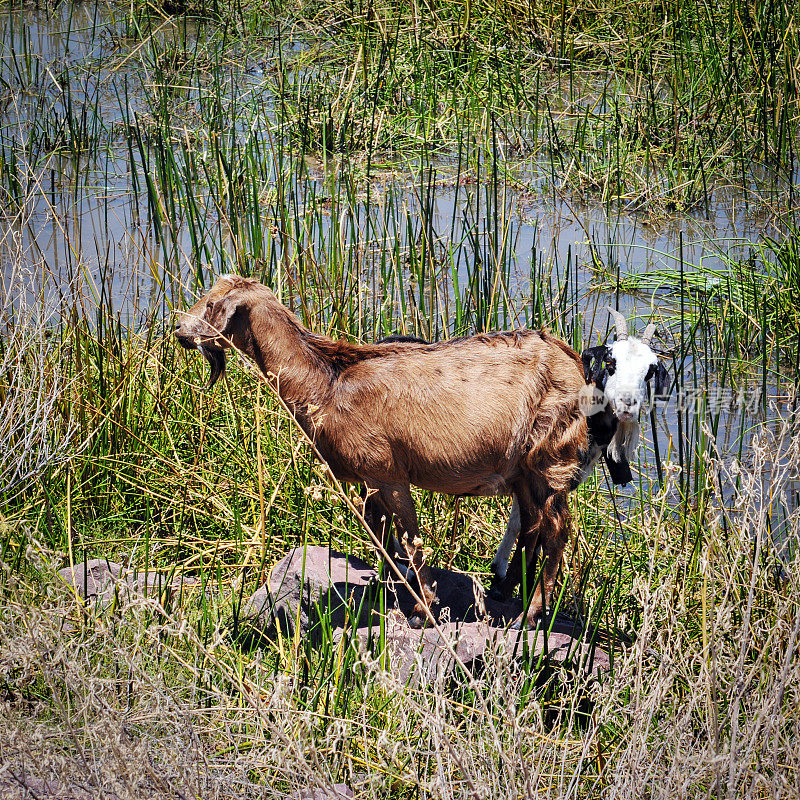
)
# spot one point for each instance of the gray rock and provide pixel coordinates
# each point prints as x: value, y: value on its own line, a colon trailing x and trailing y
x: 100, y: 581
x: 305, y: 582
x: 312, y: 584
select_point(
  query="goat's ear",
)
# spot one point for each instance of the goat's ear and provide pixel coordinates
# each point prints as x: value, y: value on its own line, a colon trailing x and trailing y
x: 220, y: 314
x: 662, y: 381
x: 593, y: 363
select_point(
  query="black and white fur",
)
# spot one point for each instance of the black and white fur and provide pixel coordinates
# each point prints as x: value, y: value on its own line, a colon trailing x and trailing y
x: 615, y: 393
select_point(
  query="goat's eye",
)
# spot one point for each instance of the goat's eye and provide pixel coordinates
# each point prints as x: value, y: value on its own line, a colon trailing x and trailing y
x: 611, y: 365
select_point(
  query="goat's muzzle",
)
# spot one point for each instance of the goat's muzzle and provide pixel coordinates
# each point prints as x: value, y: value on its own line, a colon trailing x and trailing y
x: 214, y: 354
x: 627, y: 408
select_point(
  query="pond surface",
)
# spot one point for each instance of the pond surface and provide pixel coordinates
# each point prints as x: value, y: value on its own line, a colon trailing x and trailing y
x: 78, y: 72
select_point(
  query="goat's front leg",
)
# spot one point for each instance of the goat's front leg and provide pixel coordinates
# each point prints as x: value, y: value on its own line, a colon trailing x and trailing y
x: 397, y: 499
x: 379, y: 519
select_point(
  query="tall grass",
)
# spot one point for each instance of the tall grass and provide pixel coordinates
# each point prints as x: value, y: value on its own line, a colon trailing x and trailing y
x: 36, y: 431
x: 646, y: 105
x: 371, y: 167
x: 703, y: 703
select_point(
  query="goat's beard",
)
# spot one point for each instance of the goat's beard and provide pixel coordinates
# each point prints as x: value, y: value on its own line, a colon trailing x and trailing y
x: 622, y: 446
x: 216, y: 359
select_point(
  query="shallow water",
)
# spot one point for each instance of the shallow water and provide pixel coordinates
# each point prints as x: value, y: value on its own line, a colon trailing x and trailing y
x: 86, y: 212
x: 88, y: 226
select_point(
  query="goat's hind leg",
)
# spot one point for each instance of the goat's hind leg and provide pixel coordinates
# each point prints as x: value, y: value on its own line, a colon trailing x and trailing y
x: 397, y: 498
x: 544, y: 525
x: 553, y: 535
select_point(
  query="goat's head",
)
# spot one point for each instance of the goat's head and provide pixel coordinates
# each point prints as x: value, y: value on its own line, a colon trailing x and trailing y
x: 214, y: 323
x: 619, y: 375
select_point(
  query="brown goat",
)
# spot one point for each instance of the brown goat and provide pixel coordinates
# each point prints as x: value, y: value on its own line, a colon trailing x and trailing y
x: 492, y: 414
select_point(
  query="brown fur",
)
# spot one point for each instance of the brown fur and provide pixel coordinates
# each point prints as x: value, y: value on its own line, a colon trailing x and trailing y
x: 492, y: 414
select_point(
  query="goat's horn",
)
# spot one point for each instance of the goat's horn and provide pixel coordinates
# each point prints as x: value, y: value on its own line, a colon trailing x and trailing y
x: 620, y: 323
x: 648, y: 333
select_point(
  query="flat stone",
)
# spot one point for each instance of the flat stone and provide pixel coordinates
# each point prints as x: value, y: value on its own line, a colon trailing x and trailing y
x: 17, y: 784
x: 312, y: 583
x: 419, y: 655
x: 100, y: 581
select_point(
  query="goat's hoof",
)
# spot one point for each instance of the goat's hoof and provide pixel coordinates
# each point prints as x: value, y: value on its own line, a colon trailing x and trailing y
x: 530, y: 623
x: 496, y: 594
x: 416, y: 621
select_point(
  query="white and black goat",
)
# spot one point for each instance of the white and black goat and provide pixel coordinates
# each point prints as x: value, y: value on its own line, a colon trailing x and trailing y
x: 616, y: 391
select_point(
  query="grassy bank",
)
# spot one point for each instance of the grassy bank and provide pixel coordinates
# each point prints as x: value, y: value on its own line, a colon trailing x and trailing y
x: 154, y: 697
x: 694, y: 583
